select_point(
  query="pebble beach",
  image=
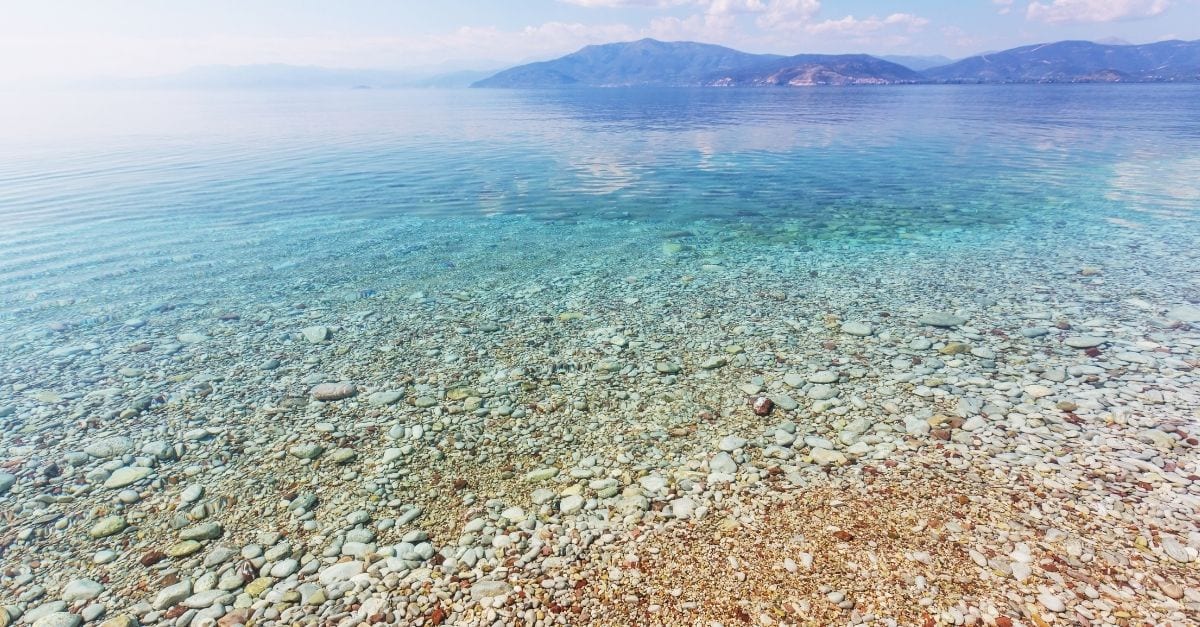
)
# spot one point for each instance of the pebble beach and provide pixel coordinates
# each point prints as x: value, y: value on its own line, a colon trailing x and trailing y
x: 547, y: 419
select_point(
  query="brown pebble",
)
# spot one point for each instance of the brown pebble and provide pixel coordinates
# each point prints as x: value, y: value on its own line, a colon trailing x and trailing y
x: 152, y: 558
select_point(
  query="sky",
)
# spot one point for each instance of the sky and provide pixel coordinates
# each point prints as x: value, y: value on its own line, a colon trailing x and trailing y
x: 70, y: 39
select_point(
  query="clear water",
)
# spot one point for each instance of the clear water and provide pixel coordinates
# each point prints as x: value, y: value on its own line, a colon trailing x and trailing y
x: 115, y: 202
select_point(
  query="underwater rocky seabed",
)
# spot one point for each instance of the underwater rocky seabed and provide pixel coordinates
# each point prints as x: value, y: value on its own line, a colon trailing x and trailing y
x: 516, y: 389
x: 523, y: 422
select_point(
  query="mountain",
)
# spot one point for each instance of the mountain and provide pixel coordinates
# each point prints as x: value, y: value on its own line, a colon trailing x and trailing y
x: 649, y: 62
x: 918, y: 63
x: 1077, y: 62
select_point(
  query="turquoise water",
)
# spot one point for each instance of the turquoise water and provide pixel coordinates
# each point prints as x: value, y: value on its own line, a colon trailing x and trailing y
x: 431, y: 309
x: 113, y: 202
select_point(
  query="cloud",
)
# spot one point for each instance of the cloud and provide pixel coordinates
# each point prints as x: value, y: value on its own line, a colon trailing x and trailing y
x: 1093, y: 11
x: 1005, y: 6
x: 852, y: 26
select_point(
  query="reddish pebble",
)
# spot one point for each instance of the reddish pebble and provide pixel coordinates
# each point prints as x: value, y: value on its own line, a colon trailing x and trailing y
x: 762, y: 406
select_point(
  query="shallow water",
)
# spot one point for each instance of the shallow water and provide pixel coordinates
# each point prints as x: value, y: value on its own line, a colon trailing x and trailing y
x: 564, y: 300
x: 113, y: 202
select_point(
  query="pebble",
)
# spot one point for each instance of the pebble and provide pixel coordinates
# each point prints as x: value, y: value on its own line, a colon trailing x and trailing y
x: 941, y: 319
x: 127, y: 475
x: 860, y: 329
x: 1084, y: 341
x: 316, y: 334
x: 108, y: 526
x: 333, y: 391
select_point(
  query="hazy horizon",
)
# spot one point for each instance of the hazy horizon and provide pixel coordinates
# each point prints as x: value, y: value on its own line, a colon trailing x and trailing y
x: 66, y: 40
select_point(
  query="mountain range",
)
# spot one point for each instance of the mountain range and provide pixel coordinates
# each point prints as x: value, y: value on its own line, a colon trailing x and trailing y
x: 649, y: 62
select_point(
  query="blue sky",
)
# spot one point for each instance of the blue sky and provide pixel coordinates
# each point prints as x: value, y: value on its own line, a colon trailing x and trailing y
x: 79, y: 38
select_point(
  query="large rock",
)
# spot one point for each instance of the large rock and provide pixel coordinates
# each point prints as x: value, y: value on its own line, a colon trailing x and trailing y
x: 82, y: 590
x: 1184, y: 313
x: 344, y: 571
x: 316, y: 334
x: 172, y: 595
x: 106, y: 448
x: 487, y: 589
x: 941, y: 319
x: 333, y: 391
x: 108, y: 526
x: 127, y: 475
x: 59, y: 619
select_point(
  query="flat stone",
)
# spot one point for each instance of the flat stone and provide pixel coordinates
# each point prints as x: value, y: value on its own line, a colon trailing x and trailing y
x: 7, y: 481
x: 342, y: 455
x: 171, y: 595
x: 941, y: 319
x: 59, y: 619
x: 570, y: 504
x: 108, y: 526
x: 822, y: 392
x: 826, y: 457
x: 824, y: 376
x: 859, y: 329
x: 385, y: 398
x: 487, y: 589
x: 731, y: 443
x: 203, y: 531
x: 306, y: 451
x: 722, y: 463
x: 127, y: 475
x: 333, y: 391
x: 713, y: 363
x: 107, y: 448
x: 343, y: 571
x: 184, y: 548
x: 316, y: 334
x: 793, y: 380
x: 1184, y: 313
x: 1084, y: 341
x: 81, y: 590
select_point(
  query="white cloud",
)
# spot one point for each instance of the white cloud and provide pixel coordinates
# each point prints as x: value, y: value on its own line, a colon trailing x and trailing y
x: 1005, y: 6
x: 855, y: 27
x: 1082, y: 11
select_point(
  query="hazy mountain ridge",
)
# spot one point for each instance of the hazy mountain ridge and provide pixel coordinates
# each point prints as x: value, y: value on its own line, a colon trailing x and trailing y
x: 1078, y: 61
x: 648, y: 62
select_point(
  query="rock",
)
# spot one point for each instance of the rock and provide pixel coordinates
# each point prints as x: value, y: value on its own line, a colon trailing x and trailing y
x: 722, y: 463
x: 793, y: 380
x: 184, y: 548
x: 570, y: 504
x: 285, y: 568
x: 384, y: 398
x: 822, y: 392
x: 120, y: 620
x: 916, y: 426
x: 306, y: 450
x: 81, y: 590
x: 826, y: 457
x: 172, y: 595
x: 1038, y: 391
x: 941, y: 319
x: 1184, y: 313
x: 256, y: 588
x: 7, y: 481
x: 107, y: 526
x: 785, y: 402
x: 203, y: 531
x: 541, y: 474
x: 1034, y: 332
x: 667, y: 367
x: 731, y: 443
x: 683, y: 508
x: 713, y: 363
x: 127, y: 475
x: 762, y: 405
x: 340, y: 572
x: 859, y: 329
x: 316, y: 334
x: 59, y: 619
x: 202, y: 600
x: 191, y: 338
x: 342, y: 455
x: 1156, y: 438
x: 1084, y: 341
x: 1051, y: 602
x: 487, y: 589
x: 333, y: 391
x: 107, y: 448
x: 824, y: 376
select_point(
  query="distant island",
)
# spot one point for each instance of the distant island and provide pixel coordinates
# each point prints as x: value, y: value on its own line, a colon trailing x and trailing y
x: 652, y: 63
